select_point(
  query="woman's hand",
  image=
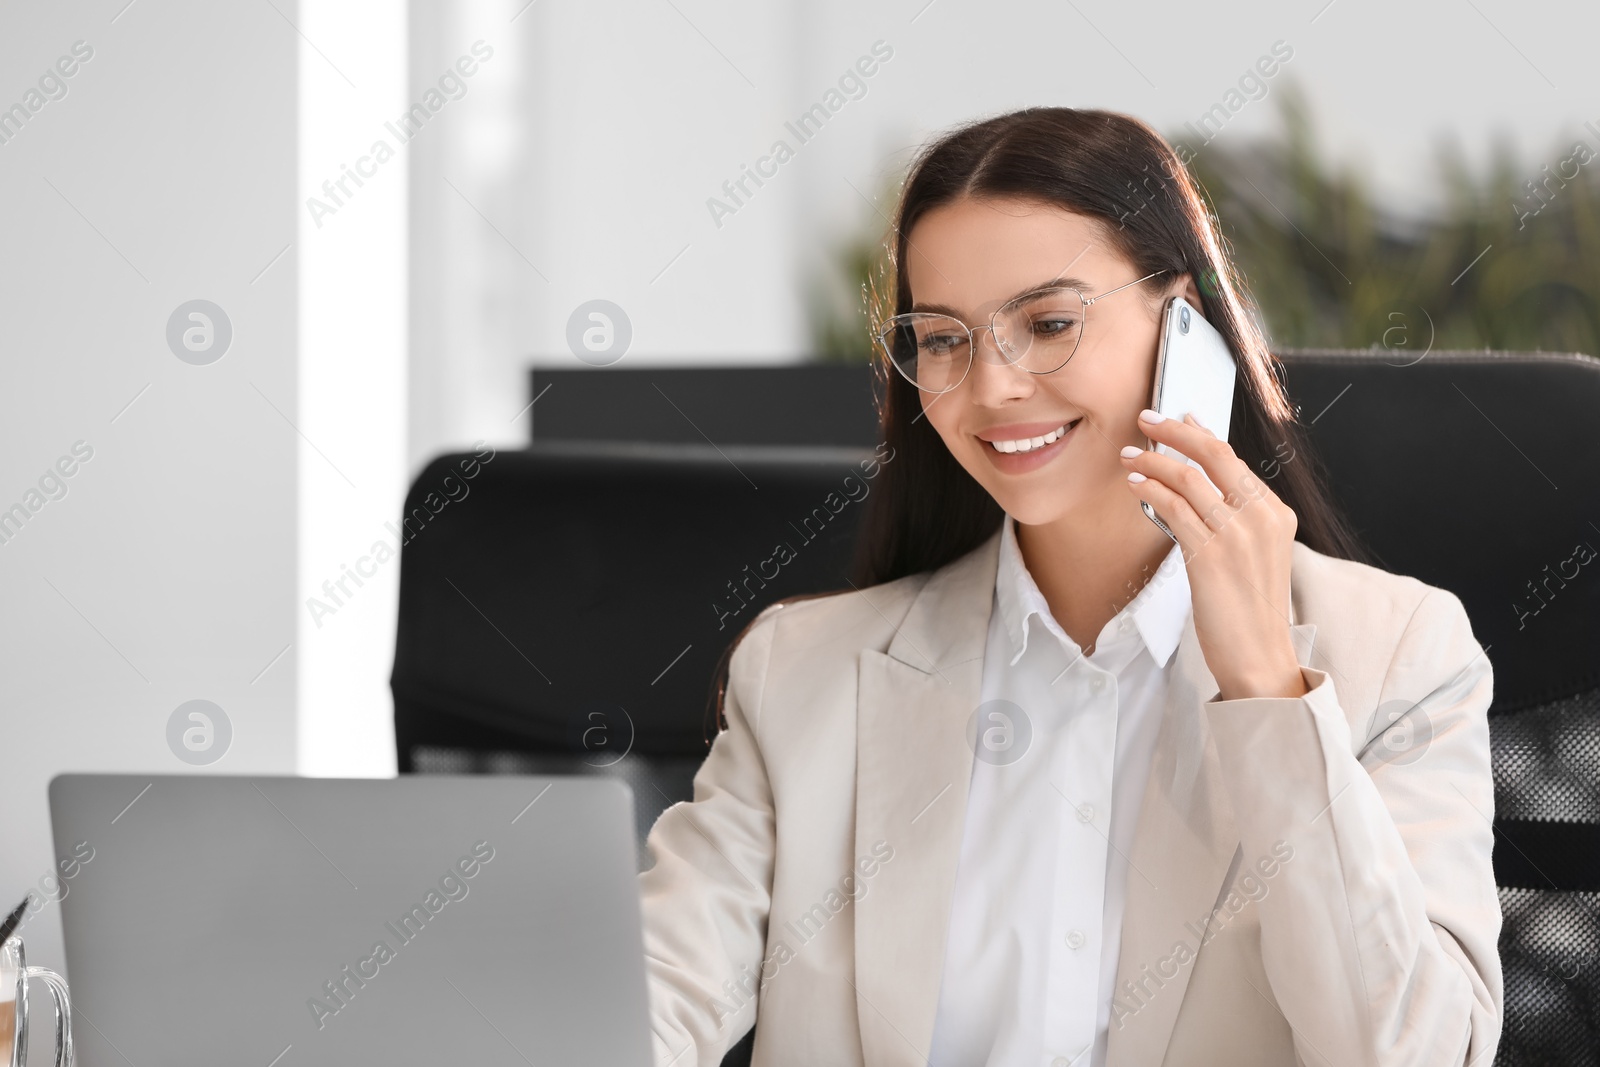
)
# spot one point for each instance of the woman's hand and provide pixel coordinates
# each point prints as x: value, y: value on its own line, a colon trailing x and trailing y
x: 1236, y: 548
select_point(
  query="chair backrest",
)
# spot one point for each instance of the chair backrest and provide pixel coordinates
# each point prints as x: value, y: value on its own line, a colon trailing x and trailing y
x: 1475, y: 471
x: 570, y: 603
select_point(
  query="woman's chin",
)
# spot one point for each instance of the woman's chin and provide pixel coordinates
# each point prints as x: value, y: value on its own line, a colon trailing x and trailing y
x: 1051, y: 503
x: 1037, y: 509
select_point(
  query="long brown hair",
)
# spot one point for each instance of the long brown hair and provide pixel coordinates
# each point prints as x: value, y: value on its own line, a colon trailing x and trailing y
x: 926, y: 510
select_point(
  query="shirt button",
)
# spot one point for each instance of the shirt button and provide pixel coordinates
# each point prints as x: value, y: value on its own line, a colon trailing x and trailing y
x: 1060, y: 1061
x: 1074, y: 938
x: 1086, y: 813
x: 1098, y: 684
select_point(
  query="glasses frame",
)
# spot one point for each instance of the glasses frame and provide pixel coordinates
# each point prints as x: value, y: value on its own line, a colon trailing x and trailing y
x: 895, y: 322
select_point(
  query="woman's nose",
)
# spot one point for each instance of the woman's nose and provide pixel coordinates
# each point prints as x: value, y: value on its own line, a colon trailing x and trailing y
x: 992, y: 375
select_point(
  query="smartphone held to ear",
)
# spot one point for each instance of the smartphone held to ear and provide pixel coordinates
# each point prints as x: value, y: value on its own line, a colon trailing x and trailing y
x: 1194, y: 375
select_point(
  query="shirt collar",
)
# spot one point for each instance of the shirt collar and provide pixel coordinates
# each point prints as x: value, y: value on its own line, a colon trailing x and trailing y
x: 1159, y: 610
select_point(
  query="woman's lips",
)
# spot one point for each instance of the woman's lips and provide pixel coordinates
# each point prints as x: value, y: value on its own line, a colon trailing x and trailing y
x: 1023, y: 462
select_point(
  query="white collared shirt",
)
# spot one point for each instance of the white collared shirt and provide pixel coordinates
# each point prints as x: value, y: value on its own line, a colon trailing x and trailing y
x: 1064, y: 744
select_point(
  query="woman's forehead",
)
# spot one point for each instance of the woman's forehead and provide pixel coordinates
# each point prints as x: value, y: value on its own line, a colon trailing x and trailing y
x: 978, y: 253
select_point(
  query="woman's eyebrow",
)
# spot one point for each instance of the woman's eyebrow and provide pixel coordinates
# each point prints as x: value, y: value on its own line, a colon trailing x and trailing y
x: 1054, y: 283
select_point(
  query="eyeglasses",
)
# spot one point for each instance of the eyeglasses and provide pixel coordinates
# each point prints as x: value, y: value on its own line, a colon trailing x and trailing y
x: 1038, y: 331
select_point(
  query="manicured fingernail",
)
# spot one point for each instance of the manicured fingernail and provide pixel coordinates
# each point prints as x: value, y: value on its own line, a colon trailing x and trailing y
x: 1135, y: 476
x: 1131, y: 452
x: 1148, y: 415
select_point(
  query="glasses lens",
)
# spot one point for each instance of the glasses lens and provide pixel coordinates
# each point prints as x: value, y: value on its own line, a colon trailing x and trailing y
x: 931, y: 350
x: 1041, y: 331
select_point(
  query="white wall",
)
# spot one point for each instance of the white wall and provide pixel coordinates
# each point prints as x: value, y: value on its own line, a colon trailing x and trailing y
x: 167, y: 571
x: 219, y: 496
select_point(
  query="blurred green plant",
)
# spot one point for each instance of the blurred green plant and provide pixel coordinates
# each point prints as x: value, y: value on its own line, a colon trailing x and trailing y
x: 838, y: 301
x: 1510, y: 261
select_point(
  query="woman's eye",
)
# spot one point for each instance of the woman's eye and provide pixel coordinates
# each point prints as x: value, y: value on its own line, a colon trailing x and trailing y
x: 1053, y: 327
x: 941, y: 345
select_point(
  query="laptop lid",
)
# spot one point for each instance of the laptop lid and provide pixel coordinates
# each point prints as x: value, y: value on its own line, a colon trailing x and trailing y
x: 290, y: 922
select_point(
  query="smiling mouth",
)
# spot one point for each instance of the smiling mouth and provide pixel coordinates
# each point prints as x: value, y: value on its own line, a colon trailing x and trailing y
x: 1029, y: 444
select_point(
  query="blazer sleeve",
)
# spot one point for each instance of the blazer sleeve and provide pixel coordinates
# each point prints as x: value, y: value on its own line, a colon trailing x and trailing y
x: 706, y: 898
x: 1379, y: 937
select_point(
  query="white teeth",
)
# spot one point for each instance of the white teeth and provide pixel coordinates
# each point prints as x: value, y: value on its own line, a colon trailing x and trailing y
x: 1028, y: 444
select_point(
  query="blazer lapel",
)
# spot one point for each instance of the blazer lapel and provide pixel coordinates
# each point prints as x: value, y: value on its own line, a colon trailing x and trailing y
x: 1184, y: 846
x: 913, y: 766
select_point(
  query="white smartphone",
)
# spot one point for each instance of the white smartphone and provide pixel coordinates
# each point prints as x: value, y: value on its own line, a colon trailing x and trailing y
x: 1194, y: 375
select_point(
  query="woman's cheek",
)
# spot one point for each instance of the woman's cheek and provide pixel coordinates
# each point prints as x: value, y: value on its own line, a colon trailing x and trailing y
x: 954, y: 446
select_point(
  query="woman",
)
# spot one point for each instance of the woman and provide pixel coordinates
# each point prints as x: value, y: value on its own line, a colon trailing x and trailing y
x: 1047, y: 787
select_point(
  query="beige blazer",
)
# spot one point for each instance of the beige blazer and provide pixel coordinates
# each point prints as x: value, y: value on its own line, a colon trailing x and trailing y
x: 1310, y: 877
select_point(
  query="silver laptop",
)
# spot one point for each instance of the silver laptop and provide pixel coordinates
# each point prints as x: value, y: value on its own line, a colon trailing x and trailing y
x: 290, y: 922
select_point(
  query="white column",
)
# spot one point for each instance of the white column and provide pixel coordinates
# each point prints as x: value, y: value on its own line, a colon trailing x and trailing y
x: 351, y: 412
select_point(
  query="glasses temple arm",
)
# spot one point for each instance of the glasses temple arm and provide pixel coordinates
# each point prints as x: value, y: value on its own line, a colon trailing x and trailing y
x: 1119, y: 288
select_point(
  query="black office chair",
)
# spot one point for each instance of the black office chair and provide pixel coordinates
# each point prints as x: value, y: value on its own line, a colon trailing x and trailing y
x: 571, y: 606
x: 1477, y: 472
